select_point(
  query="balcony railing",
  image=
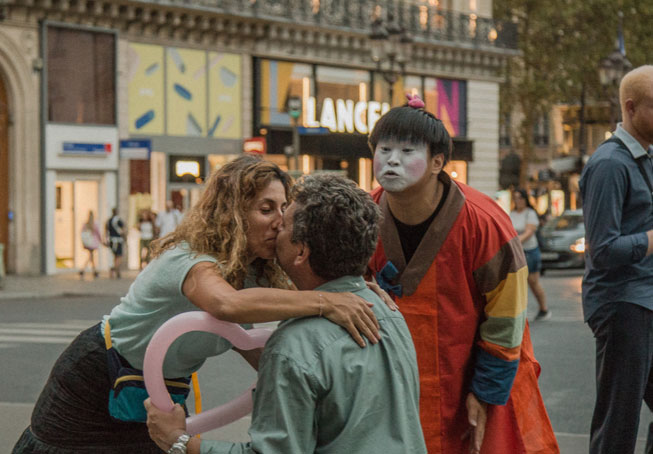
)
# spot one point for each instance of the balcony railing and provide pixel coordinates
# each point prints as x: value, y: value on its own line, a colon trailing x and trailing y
x: 420, y: 20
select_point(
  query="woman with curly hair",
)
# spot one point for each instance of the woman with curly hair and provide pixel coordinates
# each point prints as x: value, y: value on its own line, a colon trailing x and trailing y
x: 220, y: 259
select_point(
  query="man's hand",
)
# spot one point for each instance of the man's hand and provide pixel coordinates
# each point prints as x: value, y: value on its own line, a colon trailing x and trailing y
x: 165, y: 428
x: 477, y: 417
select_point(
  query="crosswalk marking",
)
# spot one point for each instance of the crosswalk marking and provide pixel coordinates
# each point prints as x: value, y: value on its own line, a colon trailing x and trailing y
x: 41, y: 333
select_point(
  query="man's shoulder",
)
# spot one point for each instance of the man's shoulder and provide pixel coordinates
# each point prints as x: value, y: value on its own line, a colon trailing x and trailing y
x: 610, y: 150
x: 485, y: 212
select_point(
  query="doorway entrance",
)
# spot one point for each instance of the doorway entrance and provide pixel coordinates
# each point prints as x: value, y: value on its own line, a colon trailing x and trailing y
x: 4, y: 169
x: 75, y: 198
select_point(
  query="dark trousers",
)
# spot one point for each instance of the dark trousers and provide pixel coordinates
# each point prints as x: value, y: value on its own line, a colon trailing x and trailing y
x: 624, y: 356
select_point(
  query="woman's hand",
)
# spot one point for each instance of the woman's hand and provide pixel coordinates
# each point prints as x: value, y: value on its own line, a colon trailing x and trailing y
x: 352, y: 313
x: 383, y: 295
x: 165, y: 428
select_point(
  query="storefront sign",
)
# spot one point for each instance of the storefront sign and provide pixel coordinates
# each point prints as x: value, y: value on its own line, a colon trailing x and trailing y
x: 344, y: 115
x: 256, y: 145
x: 77, y: 148
x: 135, y: 149
x: 191, y: 168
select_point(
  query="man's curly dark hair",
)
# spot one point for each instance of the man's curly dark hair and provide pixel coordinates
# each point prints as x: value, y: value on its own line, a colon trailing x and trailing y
x: 339, y: 223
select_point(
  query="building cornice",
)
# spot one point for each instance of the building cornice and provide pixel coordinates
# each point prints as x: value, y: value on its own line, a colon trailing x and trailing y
x: 264, y: 36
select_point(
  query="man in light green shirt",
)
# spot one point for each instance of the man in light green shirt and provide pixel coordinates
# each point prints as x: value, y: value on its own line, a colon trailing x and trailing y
x: 317, y: 390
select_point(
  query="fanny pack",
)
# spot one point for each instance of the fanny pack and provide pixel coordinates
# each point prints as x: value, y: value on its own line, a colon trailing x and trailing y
x: 128, y: 386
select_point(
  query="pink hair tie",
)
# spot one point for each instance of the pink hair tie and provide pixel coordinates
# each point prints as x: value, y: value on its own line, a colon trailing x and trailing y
x: 414, y: 101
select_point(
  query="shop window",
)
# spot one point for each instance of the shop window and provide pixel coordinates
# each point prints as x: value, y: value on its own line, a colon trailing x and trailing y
x: 81, y: 68
x: 139, y: 176
x: 541, y: 131
x: 447, y: 100
x: 280, y: 80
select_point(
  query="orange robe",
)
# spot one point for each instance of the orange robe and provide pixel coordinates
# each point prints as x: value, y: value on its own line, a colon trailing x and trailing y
x: 464, y: 295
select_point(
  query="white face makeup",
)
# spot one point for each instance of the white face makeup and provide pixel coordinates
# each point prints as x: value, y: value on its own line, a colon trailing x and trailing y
x: 399, y: 165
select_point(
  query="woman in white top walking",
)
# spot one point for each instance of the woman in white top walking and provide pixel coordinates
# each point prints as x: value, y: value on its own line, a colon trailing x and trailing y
x: 146, y: 227
x: 525, y: 221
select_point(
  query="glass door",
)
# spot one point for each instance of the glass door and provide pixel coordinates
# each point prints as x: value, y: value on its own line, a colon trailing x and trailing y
x: 74, y: 200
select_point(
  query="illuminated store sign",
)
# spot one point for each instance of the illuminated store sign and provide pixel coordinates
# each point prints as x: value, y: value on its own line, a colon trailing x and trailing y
x: 344, y: 115
x: 187, y: 168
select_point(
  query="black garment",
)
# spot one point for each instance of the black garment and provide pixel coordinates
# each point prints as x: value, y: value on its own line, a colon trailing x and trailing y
x: 411, y: 235
x: 71, y: 415
x: 624, y: 342
x: 115, y: 230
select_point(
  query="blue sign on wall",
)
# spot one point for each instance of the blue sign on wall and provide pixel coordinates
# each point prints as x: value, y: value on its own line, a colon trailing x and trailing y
x: 135, y: 149
x: 312, y: 131
x: 80, y: 148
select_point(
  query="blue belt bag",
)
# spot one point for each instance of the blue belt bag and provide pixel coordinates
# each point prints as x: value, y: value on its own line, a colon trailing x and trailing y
x: 128, y: 386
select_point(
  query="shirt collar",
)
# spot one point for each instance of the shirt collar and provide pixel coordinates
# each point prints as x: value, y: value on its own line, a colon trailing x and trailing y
x: 344, y: 284
x: 635, y: 148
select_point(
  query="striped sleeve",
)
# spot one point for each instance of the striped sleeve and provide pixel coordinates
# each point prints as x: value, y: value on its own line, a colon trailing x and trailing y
x: 503, y: 282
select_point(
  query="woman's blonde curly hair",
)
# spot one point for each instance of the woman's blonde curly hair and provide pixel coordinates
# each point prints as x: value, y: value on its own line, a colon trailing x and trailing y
x: 217, y: 224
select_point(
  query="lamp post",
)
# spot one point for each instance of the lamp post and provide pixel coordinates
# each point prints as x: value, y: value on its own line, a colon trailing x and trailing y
x: 389, y: 48
x: 611, y: 70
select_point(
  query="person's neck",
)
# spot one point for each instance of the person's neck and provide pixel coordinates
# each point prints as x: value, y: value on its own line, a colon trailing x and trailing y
x: 628, y: 127
x: 414, y: 205
x: 307, y: 281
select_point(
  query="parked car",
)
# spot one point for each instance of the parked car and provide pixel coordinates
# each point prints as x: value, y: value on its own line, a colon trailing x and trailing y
x: 562, y: 241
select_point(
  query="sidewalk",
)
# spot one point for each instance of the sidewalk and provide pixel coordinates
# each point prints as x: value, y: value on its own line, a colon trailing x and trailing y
x: 64, y: 284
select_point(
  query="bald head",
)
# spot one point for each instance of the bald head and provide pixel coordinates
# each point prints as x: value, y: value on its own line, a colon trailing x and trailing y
x: 636, y: 85
x: 636, y: 98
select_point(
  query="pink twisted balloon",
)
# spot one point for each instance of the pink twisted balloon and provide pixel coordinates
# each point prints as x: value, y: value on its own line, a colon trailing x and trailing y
x: 167, y: 334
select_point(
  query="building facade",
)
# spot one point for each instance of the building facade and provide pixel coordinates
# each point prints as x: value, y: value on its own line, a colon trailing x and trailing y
x: 129, y: 103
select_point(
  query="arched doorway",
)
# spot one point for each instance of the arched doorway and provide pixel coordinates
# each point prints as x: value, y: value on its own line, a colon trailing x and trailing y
x: 4, y: 168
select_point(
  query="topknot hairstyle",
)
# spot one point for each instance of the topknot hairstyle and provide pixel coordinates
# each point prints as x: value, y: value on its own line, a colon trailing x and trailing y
x: 415, y: 125
x: 339, y: 223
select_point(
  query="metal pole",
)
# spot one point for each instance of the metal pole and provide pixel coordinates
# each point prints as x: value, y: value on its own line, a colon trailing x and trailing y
x: 295, y: 142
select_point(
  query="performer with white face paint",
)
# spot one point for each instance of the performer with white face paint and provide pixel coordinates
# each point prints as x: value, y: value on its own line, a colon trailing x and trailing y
x: 452, y: 259
x: 398, y: 166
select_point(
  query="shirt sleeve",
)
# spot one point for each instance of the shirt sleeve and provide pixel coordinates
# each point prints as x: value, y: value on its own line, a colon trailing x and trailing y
x: 604, y: 190
x: 283, y: 419
x: 531, y: 218
x: 503, y: 283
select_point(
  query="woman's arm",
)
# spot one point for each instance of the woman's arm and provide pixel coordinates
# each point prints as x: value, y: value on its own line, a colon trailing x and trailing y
x: 528, y: 232
x: 205, y: 288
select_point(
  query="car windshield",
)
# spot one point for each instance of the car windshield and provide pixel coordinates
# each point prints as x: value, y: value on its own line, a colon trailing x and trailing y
x: 564, y: 222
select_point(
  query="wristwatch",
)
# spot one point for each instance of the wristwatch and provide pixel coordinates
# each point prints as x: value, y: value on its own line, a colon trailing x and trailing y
x: 179, y: 446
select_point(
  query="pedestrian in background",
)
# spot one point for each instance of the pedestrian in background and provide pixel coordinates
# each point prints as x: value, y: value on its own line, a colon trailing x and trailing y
x: 526, y: 222
x: 146, y: 227
x: 91, y: 240
x: 115, y: 234
x: 616, y: 188
x: 168, y: 220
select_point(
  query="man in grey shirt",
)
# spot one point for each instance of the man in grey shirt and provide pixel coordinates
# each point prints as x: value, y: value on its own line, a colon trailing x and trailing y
x: 317, y: 390
x: 617, y: 190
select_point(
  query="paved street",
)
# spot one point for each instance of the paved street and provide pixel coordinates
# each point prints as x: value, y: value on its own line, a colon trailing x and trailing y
x: 36, y: 325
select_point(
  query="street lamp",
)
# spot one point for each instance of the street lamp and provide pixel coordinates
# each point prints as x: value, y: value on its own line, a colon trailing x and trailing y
x: 389, y: 49
x: 611, y: 70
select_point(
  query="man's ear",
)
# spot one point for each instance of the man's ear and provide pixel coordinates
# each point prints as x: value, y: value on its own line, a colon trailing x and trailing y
x: 437, y: 163
x: 303, y: 253
x: 630, y: 106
